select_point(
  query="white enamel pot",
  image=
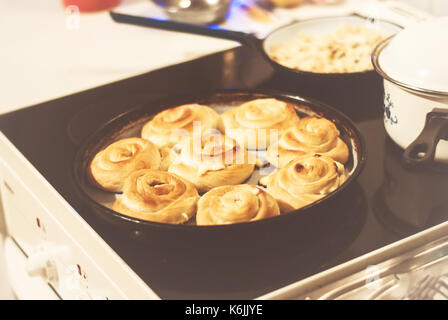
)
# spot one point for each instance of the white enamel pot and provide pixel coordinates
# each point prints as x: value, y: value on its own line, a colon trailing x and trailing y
x: 414, y: 67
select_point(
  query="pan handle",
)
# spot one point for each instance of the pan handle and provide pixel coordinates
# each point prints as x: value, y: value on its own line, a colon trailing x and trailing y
x: 241, y: 37
x: 422, y: 150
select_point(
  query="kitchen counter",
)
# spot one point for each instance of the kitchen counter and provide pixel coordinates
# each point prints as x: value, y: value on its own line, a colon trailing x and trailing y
x: 45, y: 55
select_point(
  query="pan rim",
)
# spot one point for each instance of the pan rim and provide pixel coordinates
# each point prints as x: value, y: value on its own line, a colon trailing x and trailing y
x: 160, y: 102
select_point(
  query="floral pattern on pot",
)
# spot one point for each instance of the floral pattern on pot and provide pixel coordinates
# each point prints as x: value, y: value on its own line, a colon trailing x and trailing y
x: 388, y: 105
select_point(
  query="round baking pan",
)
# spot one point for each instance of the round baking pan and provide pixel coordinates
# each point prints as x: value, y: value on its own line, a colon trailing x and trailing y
x: 301, y: 226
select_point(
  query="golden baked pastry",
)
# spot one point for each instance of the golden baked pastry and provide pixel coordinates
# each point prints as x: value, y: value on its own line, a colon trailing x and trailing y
x: 212, y: 161
x: 234, y: 204
x: 311, y: 135
x: 167, y: 155
x: 305, y: 180
x: 159, y: 196
x: 111, y: 166
x: 252, y: 123
x: 172, y: 125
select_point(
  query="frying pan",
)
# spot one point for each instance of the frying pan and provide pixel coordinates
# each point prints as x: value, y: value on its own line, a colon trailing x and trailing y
x: 303, y: 227
x: 356, y: 93
x: 280, y: 35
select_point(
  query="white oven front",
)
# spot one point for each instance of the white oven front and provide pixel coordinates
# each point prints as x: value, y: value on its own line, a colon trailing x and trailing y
x: 51, y: 252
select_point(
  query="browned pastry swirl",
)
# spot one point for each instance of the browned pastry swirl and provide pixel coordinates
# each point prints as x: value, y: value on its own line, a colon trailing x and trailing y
x: 234, y: 204
x: 253, y: 123
x: 172, y: 125
x: 305, y: 180
x: 211, y: 161
x: 312, y: 135
x: 159, y: 196
x: 111, y: 166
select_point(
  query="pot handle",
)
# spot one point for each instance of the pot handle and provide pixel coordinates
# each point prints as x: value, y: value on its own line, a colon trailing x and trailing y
x: 422, y: 150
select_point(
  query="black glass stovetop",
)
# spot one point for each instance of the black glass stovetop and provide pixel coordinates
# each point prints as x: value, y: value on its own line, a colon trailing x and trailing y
x: 392, y: 201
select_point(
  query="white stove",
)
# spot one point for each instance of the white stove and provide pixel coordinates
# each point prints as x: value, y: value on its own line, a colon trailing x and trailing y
x: 54, y: 250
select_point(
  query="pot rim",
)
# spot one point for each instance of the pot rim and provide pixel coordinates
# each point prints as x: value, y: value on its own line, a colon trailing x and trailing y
x: 375, y: 61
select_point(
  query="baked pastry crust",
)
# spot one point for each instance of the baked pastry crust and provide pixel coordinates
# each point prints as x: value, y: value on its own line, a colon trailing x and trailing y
x: 304, y: 181
x: 252, y: 123
x: 235, y: 204
x: 211, y: 161
x: 110, y: 167
x: 311, y: 135
x: 170, y: 126
x: 158, y: 196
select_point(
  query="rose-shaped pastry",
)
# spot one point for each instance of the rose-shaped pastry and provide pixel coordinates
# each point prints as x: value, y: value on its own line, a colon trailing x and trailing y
x: 312, y: 135
x: 159, y: 196
x: 305, y: 180
x: 234, y: 204
x: 172, y: 125
x: 257, y: 123
x: 211, y: 161
x: 111, y: 166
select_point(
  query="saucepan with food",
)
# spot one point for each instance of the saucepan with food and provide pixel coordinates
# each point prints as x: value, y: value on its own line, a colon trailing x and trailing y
x: 327, y: 46
x: 234, y: 170
x: 323, y: 58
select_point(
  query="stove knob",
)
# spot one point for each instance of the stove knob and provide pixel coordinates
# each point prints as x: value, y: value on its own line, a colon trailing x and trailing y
x: 40, y: 263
